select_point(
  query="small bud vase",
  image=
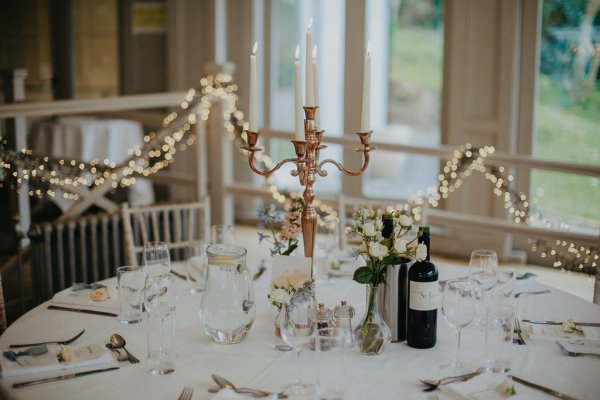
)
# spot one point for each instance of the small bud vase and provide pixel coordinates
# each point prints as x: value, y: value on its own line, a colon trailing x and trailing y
x: 372, y: 333
x: 281, y: 318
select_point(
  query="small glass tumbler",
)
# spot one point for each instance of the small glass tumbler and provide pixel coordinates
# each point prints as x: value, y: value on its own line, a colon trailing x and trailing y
x: 500, y: 323
x: 329, y: 363
x: 222, y: 234
x: 131, y: 285
x: 157, y: 260
x: 160, y: 300
x: 197, y: 265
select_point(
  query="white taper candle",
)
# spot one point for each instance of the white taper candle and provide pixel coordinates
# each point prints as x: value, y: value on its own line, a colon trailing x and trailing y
x: 365, y: 120
x: 310, y: 96
x: 299, y: 126
x: 315, y: 83
x: 253, y: 96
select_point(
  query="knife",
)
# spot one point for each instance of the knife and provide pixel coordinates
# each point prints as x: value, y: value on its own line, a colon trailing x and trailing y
x: 61, y: 377
x: 560, y: 323
x: 82, y: 310
x: 542, y: 388
x: 259, y: 272
x: 180, y: 276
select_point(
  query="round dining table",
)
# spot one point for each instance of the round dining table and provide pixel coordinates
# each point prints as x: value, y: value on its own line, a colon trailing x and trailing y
x: 257, y: 364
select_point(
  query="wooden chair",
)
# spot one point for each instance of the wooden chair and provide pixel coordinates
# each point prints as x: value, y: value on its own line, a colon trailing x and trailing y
x: 174, y: 224
x: 3, y: 323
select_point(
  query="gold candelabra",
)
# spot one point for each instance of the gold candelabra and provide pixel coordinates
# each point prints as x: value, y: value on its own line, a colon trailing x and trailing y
x: 308, y: 167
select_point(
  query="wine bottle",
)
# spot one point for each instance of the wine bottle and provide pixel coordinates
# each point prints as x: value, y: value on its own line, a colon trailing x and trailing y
x: 423, y: 299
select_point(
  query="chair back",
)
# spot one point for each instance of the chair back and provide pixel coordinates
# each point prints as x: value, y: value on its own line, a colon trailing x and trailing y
x: 174, y: 224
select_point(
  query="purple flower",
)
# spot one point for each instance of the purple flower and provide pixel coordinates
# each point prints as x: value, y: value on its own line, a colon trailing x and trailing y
x: 261, y: 237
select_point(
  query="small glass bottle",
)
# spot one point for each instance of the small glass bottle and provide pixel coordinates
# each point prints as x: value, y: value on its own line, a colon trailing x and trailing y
x: 343, y: 314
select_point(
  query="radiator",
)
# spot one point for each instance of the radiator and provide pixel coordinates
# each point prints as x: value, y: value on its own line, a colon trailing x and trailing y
x: 84, y: 249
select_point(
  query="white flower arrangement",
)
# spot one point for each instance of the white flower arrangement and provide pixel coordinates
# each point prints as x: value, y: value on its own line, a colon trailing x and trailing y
x: 286, y: 286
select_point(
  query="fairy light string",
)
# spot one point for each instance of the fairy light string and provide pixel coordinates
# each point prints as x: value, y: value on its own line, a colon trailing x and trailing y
x: 46, y: 175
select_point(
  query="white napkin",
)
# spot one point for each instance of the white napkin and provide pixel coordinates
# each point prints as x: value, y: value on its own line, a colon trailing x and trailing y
x: 554, y: 332
x: 482, y: 387
x: 85, y: 356
x: 83, y: 299
x: 228, y: 394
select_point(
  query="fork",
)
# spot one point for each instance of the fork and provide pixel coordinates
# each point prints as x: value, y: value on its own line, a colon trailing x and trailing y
x: 63, y: 342
x: 186, y: 393
x: 520, y: 339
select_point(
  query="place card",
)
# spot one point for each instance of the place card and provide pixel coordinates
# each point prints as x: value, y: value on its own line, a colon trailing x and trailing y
x: 290, y: 264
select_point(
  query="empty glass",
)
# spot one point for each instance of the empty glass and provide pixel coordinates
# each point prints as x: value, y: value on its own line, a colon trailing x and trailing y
x: 222, y: 234
x: 227, y: 307
x: 197, y: 264
x: 482, y: 270
x: 500, y: 325
x: 327, y: 241
x: 458, y: 308
x: 298, y: 331
x: 131, y: 284
x: 157, y: 260
x: 160, y: 299
x: 329, y: 365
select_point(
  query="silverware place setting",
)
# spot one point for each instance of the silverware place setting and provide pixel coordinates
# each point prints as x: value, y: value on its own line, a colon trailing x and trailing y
x: 186, y: 393
x: 541, y: 388
x: 118, y: 342
x: 433, y: 384
x: 256, y: 393
x: 560, y: 322
x: 63, y: 342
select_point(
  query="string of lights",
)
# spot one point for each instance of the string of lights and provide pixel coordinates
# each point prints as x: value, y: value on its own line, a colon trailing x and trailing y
x: 46, y: 176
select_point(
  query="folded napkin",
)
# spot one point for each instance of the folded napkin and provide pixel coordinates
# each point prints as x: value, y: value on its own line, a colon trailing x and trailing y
x: 556, y: 332
x: 82, y: 298
x: 228, y: 394
x: 482, y: 387
x: 84, y: 356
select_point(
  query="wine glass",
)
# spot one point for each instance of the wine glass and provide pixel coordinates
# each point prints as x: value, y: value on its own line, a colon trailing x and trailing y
x: 157, y: 261
x: 298, y: 331
x: 328, y: 236
x: 458, y: 308
x: 222, y: 234
x: 483, y: 267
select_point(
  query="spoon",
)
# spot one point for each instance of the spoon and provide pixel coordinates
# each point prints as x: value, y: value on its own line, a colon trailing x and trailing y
x: 432, y: 384
x: 120, y: 356
x: 225, y: 384
x: 118, y: 342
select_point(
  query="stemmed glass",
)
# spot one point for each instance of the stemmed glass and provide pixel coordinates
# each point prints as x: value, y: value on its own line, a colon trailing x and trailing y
x: 157, y: 261
x: 328, y: 237
x: 458, y: 308
x: 298, y: 331
x: 483, y: 267
x: 160, y: 301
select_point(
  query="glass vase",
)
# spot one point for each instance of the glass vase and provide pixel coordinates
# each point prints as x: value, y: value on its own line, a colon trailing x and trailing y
x: 372, y: 333
x: 281, y: 317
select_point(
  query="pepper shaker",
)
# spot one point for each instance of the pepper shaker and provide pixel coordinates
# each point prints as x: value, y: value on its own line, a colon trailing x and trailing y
x: 343, y: 314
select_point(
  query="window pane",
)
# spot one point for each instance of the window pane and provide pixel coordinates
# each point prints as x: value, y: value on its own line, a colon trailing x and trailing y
x: 414, y: 87
x: 289, y: 21
x: 568, y: 113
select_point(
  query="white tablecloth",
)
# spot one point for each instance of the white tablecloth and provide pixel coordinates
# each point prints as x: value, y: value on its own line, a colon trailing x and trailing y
x: 255, y: 363
x: 86, y: 139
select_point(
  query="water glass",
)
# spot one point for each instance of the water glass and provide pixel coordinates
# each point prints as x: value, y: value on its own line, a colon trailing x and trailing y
x: 197, y: 264
x: 482, y: 270
x: 458, y: 308
x: 223, y: 234
x: 330, y: 365
x: 161, y: 300
x: 500, y: 323
x: 157, y: 260
x: 131, y: 284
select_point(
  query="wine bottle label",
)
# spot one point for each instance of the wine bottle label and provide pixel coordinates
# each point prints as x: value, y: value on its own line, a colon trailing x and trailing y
x: 424, y: 296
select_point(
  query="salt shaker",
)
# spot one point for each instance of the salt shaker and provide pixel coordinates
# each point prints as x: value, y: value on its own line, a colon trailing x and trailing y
x: 343, y: 314
x: 324, y: 317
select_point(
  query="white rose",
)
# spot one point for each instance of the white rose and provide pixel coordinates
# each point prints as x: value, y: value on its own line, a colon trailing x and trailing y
x: 280, y: 296
x: 369, y: 229
x: 405, y: 220
x: 400, y: 246
x: 379, y: 224
x: 377, y: 250
x: 421, y: 252
x: 366, y: 213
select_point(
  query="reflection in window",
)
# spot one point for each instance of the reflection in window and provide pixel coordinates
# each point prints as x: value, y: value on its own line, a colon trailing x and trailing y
x: 568, y: 112
x: 289, y: 21
x: 414, y: 87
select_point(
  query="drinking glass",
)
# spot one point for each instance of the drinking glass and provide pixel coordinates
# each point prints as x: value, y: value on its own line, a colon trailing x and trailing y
x: 330, y: 366
x: 160, y: 299
x: 157, y: 261
x: 482, y: 270
x: 500, y: 325
x: 298, y: 331
x: 222, y: 234
x: 327, y: 241
x: 131, y: 284
x: 197, y: 264
x: 458, y: 308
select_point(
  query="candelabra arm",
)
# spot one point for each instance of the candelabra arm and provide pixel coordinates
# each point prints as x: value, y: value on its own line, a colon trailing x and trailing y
x: 275, y: 168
